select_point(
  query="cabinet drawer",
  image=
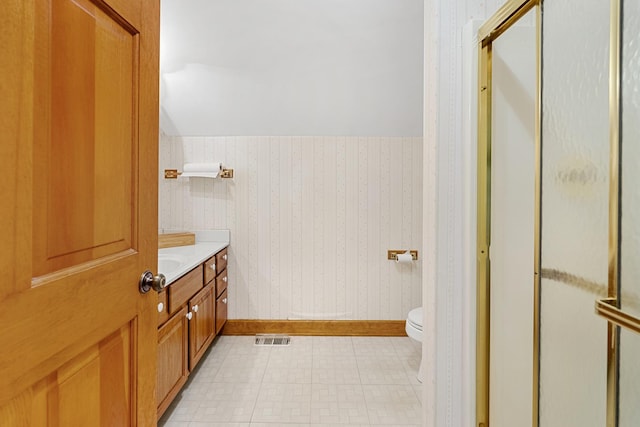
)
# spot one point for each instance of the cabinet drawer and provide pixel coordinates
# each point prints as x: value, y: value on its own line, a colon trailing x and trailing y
x: 184, y: 288
x: 221, y: 260
x: 210, y: 270
x: 163, y: 315
x: 221, y: 311
x: 221, y: 283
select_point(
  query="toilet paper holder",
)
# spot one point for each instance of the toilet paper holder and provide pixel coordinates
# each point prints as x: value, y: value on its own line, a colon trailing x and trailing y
x: 392, y: 254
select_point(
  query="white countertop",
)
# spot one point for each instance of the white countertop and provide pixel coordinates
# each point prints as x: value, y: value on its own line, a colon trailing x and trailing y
x: 190, y: 256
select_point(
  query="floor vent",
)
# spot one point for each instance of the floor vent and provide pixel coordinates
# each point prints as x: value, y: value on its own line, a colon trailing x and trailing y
x: 269, y: 340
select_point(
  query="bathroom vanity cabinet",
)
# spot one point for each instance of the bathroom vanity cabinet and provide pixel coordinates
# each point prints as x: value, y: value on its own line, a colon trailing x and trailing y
x: 191, y: 312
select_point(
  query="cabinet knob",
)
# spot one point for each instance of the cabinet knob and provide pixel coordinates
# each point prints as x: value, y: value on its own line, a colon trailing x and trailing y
x: 212, y: 266
x: 189, y: 315
x: 195, y: 308
x: 224, y: 300
x: 224, y: 279
x: 160, y: 307
x: 224, y: 257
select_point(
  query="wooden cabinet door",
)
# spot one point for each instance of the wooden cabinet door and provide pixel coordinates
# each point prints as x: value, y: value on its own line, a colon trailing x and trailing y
x: 173, y: 350
x: 201, y: 326
x: 221, y: 311
x: 78, y: 224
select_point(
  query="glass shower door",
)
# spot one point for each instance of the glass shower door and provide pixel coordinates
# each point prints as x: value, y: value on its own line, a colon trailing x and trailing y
x: 586, y: 371
x: 629, y: 240
x: 514, y: 89
x: 574, y: 213
x: 508, y: 159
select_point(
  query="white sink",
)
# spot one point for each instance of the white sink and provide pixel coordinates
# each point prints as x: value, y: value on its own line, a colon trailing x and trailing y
x: 176, y: 261
x: 168, y: 263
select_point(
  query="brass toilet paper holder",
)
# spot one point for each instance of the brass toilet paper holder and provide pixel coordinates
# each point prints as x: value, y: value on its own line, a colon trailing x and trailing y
x: 392, y: 254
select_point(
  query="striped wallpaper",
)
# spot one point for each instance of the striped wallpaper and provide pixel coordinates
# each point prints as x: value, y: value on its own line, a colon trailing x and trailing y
x: 311, y: 219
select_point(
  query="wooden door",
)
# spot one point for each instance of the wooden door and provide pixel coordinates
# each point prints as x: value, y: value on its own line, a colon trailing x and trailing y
x: 78, y: 223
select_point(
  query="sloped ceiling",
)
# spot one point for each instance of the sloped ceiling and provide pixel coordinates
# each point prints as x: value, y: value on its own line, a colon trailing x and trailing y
x: 292, y: 67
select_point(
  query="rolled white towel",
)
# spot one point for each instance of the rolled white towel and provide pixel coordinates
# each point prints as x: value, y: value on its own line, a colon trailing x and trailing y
x: 204, y: 170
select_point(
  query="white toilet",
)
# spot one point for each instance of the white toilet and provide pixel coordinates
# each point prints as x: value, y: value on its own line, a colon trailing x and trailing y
x: 413, y: 326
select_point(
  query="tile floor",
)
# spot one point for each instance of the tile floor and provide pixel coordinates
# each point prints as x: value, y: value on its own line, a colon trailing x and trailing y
x: 315, y: 381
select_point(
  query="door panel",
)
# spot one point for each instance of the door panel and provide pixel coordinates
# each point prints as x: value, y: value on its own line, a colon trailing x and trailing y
x: 514, y: 88
x: 98, y: 375
x: 629, y: 382
x: 574, y: 218
x: 79, y: 223
x: 83, y: 181
x: 630, y: 160
x: 629, y: 287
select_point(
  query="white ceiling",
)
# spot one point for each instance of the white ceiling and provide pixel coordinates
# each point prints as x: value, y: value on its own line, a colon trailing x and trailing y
x: 292, y: 67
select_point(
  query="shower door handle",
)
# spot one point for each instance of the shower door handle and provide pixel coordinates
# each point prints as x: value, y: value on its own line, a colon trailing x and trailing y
x: 608, y: 308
